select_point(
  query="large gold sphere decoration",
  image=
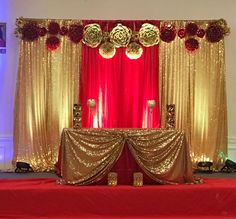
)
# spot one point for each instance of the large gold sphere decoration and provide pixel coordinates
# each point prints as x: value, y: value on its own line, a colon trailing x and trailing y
x: 92, y: 35
x: 120, y: 35
x: 149, y: 35
x: 107, y: 50
x: 134, y: 50
x: 91, y: 103
x: 151, y: 103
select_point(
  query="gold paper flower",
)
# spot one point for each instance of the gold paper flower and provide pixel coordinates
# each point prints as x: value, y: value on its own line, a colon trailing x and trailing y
x: 92, y: 35
x: 224, y: 26
x: 120, y: 35
x: 149, y: 35
x: 19, y: 25
x: 134, y: 50
x: 107, y: 50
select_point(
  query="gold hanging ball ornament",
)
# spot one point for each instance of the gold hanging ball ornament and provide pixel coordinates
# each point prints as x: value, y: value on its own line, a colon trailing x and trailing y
x: 107, y: 50
x: 92, y: 36
x: 134, y: 50
x: 149, y: 35
x: 151, y: 103
x: 91, y: 103
x: 120, y: 35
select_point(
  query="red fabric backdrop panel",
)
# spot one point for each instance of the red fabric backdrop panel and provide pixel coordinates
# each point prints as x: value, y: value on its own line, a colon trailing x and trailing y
x: 120, y: 86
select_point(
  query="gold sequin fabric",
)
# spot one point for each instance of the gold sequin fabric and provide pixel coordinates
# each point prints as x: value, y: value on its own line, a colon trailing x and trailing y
x: 89, y: 154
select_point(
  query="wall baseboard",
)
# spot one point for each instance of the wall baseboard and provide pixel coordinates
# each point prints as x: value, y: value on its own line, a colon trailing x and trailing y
x: 6, y: 153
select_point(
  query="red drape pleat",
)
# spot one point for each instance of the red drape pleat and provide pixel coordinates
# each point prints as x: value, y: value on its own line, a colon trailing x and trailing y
x: 120, y: 86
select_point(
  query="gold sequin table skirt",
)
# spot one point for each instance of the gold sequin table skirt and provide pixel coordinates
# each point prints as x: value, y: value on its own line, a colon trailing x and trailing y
x: 87, y: 155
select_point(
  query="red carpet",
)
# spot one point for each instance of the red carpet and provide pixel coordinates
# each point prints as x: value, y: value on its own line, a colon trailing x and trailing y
x: 43, y: 198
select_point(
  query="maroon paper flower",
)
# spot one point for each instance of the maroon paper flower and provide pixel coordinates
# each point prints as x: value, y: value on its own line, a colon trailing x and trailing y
x: 75, y: 33
x: 214, y: 33
x: 201, y: 33
x: 191, y: 44
x: 64, y: 30
x: 52, y: 43
x: 182, y: 33
x: 53, y: 28
x: 191, y: 29
x: 168, y: 33
x: 42, y: 31
x: 30, y: 31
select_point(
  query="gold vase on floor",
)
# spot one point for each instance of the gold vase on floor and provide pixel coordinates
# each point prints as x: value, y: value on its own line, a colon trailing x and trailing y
x: 112, y: 179
x: 138, y: 179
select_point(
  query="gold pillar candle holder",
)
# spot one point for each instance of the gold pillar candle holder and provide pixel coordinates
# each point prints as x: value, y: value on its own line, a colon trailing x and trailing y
x: 77, y: 116
x: 112, y: 179
x: 170, y: 117
x: 137, y: 179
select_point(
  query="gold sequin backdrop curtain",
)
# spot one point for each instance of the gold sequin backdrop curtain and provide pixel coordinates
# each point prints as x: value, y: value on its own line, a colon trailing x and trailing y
x: 195, y: 83
x: 47, y: 88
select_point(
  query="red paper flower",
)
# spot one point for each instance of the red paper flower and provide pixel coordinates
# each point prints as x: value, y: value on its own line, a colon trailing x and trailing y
x: 64, y: 30
x: 75, y: 33
x: 214, y: 33
x: 53, y: 28
x: 200, y: 33
x: 30, y: 31
x: 191, y: 29
x: 191, y: 44
x: 182, y: 33
x: 42, y: 31
x: 52, y: 43
x: 168, y: 33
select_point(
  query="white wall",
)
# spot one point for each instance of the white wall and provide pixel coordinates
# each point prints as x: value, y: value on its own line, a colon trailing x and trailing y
x: 110, y: 9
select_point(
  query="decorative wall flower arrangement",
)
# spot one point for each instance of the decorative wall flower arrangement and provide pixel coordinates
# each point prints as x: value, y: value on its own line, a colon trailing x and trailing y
x: 121, y: 35
x: 214, y: 32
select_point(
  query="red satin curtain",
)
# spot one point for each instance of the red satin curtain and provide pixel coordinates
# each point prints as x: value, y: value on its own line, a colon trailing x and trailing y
x: 120, y: 86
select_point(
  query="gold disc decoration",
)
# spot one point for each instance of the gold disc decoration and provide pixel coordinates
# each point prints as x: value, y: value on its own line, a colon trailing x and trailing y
x: 149, y: 35
x: 134, y: 50
x: 120, y: 35
x: 92, y: 35
x: 107, y: 50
